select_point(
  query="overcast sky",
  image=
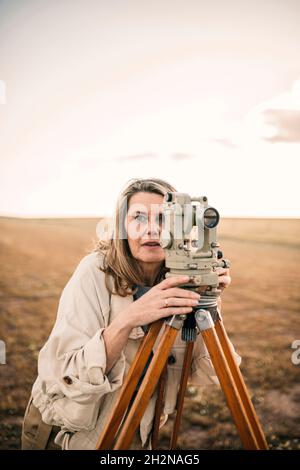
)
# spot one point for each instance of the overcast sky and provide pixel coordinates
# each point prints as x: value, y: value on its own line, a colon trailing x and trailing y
x: 203, y: 94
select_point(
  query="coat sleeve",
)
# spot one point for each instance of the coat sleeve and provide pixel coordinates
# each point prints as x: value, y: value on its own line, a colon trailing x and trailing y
x: 71, y: 366
x: 202, y: 371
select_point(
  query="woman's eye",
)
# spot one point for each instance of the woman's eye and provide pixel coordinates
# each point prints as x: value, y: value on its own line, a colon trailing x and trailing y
x: 141, y: 218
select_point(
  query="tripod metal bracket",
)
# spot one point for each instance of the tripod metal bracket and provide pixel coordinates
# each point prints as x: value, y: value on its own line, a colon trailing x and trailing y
x: 176, y: 321
x: 204, y: 320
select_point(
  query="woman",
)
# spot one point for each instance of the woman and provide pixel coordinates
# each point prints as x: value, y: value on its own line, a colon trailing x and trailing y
x: 113, y: 293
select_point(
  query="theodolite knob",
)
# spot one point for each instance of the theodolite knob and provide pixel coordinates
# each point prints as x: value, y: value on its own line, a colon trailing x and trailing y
x: 226, y: 263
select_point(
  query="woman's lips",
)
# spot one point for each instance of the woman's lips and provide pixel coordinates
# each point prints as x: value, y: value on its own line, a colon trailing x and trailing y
x: 151, y: 246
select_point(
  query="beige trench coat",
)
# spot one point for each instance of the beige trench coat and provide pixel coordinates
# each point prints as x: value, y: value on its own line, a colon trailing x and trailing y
x: 72, y: 390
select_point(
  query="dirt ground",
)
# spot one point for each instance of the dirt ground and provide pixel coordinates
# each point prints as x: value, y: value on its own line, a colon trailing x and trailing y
x: 260, y: 309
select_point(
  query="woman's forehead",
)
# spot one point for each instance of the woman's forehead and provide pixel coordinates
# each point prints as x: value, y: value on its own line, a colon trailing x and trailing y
x: 145, y: 202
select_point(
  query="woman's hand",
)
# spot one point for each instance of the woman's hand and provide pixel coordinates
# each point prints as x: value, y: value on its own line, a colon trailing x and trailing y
x: 161, y: 301
x: 224, y: 278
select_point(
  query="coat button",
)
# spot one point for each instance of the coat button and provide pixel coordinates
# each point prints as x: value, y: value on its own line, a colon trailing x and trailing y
x: 171, y: 359
x: 68, y: 380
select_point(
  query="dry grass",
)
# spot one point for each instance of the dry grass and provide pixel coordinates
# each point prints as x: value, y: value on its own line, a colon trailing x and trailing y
x: 261, y: 314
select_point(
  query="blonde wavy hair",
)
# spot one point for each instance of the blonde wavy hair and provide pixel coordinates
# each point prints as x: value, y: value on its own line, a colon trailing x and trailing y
x: 118, y: 261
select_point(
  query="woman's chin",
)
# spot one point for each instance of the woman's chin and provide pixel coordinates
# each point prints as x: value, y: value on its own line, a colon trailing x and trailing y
x: 152, y: 257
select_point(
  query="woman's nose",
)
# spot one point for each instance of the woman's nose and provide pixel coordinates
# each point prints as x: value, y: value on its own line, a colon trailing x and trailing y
x: 153, y: 228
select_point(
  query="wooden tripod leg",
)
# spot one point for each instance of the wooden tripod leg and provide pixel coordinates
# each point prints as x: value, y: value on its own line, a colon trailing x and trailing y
x: 244, y: 428
x: 180, y: 398
x: 108, y: 434
x: 158, y: 408
x: 146, y: 389
x: 241, y: 386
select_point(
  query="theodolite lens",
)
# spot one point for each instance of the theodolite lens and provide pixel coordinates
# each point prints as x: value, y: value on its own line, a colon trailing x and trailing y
x: 168, y: 197
x: 211, y: 217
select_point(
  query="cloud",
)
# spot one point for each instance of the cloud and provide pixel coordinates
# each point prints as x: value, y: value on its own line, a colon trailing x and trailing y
x: 278, y: 119
x: 225, y: 143
x: 179, y: 156
x: 286, y: 124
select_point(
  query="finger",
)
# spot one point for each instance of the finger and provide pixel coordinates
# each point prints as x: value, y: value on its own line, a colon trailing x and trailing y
x: 224, y: 278
x: 173, y: 282
x: 221, y: 271
x: 167, y: 312
x: 224, y: 281
x: 179, y: 302
x: 183, y: 293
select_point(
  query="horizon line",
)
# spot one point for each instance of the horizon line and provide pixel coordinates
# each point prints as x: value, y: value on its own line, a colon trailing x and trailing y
x: 37, y: 217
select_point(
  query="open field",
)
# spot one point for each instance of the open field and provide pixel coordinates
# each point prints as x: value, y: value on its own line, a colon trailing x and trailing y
x: 261, y: 311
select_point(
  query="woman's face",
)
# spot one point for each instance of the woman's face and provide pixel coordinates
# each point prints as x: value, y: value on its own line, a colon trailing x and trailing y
x: 143, y: 225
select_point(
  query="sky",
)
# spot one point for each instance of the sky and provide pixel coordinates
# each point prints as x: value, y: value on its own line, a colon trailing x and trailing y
x: 203, y: 94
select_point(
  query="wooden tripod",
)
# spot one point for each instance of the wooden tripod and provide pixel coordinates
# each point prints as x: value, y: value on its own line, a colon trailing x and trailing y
x: 227, y: 371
